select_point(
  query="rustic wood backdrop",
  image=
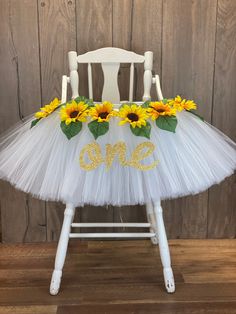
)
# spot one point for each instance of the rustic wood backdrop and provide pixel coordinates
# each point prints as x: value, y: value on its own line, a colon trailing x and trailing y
x: 194, y: 49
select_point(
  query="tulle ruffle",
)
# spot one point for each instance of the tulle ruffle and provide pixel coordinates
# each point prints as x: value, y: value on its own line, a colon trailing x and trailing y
x: 43, y: 162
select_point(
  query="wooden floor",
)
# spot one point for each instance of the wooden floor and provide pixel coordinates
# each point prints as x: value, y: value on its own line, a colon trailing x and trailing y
x: 119, y: 277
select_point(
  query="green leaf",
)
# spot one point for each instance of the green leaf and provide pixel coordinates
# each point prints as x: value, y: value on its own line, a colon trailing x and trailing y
x: 167, y: 123
x: 146, y: 104
x: 98, y: 128
x: 34, y: 122
x: 144, y: 131
x: 89, y: 102
x: 80, y: 98
x: 71, y: 129
x: 127, y: 104
x: 164, y: 100
x: 193, y: 112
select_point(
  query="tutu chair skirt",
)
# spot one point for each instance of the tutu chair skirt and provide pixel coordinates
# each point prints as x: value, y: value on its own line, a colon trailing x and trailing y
x: 114, y: 169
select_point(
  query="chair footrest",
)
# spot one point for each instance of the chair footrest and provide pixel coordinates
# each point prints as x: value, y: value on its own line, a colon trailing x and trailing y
x: 110, y: 224
x: 114, y: 235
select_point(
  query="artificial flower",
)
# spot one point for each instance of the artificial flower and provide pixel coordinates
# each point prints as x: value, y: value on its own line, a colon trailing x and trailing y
x: 135, y: 115
x: 47, y: 109
x: 159, y: 108
x: 102, y: 112
x: 73, y: 112
x: 180, y: 104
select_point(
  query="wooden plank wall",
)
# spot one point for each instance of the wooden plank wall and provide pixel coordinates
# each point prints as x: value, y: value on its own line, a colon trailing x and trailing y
x: 194, y: 49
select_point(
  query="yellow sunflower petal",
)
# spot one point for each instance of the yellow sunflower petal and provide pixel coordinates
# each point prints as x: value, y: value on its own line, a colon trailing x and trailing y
x: 68, y: 121
x: 122, y: 122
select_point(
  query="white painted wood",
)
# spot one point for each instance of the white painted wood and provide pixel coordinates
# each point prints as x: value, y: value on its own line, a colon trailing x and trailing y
x: 110, y: 55
x: 64, y: 89
x: 90, y: 81
x: 74, y: 77
x: 152, y: 221
x: 147, y: 77
x: 113, y: 235
x: 110, y: 224
x: 131, y: 82
x: 62, y: 249
x: 164, y: 249
x: 156, y: 81
x: 110, y: 58
x: 110, y: 90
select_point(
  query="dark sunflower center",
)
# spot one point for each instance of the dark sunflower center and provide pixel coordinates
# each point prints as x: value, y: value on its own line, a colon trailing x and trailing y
x: 160, y: 110
x: 103, y: 115
x: 74, y: 114
x: 132, y: 117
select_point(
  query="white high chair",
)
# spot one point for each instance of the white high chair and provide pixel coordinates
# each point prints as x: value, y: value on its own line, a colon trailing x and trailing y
x: 110, y: 59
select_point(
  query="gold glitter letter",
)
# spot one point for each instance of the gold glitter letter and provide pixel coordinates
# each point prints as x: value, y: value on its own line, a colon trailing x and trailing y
x: 94, y: 154
x: 138, y: 155
x: 111, y: 150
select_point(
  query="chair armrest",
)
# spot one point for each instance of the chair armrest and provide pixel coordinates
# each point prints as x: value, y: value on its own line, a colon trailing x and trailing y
x: 65, y: 81
x: 156, y: 81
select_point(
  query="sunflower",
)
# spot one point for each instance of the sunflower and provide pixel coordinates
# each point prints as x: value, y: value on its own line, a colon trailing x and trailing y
x: 158, y: 108
x: 133, y: 114
x: 47, y: 109
x: 102, y: 112
x: 73, y: 112
x: 180, y: 104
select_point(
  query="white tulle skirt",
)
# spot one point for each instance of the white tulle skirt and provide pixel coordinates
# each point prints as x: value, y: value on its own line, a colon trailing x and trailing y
x: 43, y: 162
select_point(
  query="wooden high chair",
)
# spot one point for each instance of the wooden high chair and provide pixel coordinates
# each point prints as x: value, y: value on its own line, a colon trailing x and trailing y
x: 110, y: 59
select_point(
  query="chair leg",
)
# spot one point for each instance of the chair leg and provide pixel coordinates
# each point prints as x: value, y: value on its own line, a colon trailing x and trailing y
x: 62, y: 249
x: 164, y: 249
x: 151, y: 219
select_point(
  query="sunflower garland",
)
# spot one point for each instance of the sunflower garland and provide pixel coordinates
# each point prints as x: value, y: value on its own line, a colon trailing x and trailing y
x: 74, y: 112
x: 79, y: 110
x: 102, y: 112
x: 163, y: 114
x: 180, y: 104
x: 46, y: 111
x: 72, y: 115
x: 159, y: 108
x: 137, y: 117
x: 183, y: 104
x: 100, y: 115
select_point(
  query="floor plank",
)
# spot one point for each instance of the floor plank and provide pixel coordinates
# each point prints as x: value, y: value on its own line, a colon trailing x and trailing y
x: 48, y: 309
x: 41, y: 278
x: 118, y: 294
x: 119, y: 277
x: 162, y: 308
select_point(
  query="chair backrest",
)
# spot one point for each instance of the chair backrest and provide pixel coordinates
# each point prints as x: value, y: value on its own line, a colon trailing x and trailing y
x: 110, y: 59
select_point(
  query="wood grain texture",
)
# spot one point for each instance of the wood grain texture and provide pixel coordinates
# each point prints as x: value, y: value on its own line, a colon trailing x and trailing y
x: 20, y: 90
x: 222, y: 198
x: 122, y: 12
x: 147, y: 36
x: 144, y: 308
x: 113, y: 293
x: 94, y: 31
x: 188, y: 45
x: 44, y: 309
x: 57, y: 35
x: 119, y: 277
x: 194, y: 53
x: 186, y: 217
